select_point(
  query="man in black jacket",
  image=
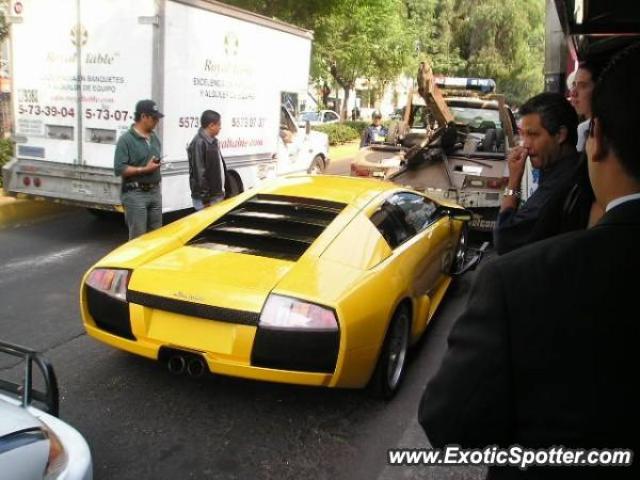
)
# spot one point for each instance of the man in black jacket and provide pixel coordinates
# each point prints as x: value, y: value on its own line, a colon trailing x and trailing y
x: 547, y: 351
x: 207, y: 170
x: 549, y: 135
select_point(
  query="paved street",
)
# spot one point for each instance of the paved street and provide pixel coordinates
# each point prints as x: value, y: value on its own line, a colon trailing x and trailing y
x: 142, y: 422
x: 341, y: 166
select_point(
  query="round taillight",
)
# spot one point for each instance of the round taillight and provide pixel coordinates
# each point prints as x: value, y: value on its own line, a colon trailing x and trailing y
x: 26, y: 181
x: 37, y: 182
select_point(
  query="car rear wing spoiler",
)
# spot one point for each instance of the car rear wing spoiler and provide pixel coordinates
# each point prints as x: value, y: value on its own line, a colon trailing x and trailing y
x: 24, y: 390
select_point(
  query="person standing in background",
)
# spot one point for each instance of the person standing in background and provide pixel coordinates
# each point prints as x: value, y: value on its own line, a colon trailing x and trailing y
x: 207, y: 170
x: 581, y: 90
x: 137, y: 161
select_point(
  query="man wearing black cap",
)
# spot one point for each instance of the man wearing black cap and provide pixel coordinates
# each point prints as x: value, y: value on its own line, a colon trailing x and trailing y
x: 137, y: 161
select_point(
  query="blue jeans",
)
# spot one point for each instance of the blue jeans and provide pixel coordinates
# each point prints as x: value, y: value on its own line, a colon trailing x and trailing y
x: 142, y: 211
x: 198, y: 205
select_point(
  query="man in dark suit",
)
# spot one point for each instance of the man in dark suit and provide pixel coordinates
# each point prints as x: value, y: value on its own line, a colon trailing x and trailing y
x: 547, y: 351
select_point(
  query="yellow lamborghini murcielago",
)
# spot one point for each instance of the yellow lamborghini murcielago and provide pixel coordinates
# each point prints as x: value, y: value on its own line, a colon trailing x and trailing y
x: 314, y: 280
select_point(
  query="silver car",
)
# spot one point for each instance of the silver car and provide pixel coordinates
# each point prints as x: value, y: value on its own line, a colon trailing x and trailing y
x: 34, y: 442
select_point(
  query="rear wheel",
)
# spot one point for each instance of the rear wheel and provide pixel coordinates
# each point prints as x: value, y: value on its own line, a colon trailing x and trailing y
x: 391, y: 364
x: 317, y: 165
x: 98, y: 213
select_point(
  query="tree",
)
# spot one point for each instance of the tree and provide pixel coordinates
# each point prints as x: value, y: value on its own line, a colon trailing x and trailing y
x: 504, y: 40
x: 4, y: 28
x: 379, y: 39
x: 353, y: 38
x: 362, y: 39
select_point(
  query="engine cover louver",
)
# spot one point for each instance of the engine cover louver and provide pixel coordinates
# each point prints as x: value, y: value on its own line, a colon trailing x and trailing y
x: 274, y: 226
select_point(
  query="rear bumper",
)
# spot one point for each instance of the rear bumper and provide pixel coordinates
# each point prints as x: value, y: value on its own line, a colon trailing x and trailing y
x: 229, y: 348
x: 63, y: 183
x: 217, y: 364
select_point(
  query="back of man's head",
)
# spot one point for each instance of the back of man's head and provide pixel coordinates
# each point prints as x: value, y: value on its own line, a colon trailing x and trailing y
x: 615, y: 103
x: 593, y: 65
x: 555, y: 112
x: 208, y: 117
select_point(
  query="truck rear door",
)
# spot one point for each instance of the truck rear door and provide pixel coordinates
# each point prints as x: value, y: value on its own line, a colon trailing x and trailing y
x: 77, y: 77
x: 44, y: 74
x: 116, y: 44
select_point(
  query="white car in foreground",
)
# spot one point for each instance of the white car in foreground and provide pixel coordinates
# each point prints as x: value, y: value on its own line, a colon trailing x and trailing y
x: 34, y: 443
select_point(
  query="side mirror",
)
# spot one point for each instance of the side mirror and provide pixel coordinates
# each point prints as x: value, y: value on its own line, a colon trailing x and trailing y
x: 456, y: 213
x: 307, y: 127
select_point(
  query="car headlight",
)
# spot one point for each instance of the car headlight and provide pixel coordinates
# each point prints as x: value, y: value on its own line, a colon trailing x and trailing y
x: 290, y: 314
x: 57, y: 461
x: 110, y: 281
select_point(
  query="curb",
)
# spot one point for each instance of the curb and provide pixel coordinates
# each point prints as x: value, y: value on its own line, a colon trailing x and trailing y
x: 15, y: 210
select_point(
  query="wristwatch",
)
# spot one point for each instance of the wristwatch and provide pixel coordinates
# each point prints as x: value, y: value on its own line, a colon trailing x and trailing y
x: 510, y: 192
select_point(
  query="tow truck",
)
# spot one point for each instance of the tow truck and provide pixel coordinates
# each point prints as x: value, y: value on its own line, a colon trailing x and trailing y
x: 459, y: 153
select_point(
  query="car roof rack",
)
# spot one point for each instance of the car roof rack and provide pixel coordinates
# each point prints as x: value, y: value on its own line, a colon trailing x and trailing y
x: 24, y: 391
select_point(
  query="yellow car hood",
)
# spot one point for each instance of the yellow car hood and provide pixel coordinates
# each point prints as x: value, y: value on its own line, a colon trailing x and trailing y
x: 211, y: 277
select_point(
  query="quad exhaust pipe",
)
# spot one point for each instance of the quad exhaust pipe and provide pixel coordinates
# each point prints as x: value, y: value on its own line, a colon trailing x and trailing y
x: 194, y: 366
x: 176, y: 364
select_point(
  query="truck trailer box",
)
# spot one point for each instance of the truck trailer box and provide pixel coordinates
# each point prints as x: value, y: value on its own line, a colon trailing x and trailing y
x: 80, y: 66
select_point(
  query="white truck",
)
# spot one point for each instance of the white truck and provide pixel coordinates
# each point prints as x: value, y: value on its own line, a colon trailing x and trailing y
x: 79, y: 67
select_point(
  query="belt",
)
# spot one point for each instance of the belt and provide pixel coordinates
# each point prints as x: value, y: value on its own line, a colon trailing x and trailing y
x: 140, y: 186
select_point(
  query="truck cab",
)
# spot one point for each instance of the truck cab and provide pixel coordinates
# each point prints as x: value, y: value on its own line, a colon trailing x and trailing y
x: 300, y: 149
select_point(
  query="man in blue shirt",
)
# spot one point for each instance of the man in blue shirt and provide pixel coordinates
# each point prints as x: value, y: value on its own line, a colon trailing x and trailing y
x: 374, y: 133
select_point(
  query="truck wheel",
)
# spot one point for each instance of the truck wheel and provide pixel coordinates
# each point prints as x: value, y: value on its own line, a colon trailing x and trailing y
x: 232, y: 185
x: 317, y: 165
x: 104, y: 214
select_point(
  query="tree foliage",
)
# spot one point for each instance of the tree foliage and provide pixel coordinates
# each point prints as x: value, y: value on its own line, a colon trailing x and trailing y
x: 4, y: 28
x: 380, y: 39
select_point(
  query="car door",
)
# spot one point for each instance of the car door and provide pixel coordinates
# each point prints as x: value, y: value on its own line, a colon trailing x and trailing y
x: 419, y: 237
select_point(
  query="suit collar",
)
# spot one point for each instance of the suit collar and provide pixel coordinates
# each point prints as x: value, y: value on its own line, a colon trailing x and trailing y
x: 627, y: 213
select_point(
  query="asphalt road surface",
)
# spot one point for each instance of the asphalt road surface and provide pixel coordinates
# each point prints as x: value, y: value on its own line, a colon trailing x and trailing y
x: 142, y: 422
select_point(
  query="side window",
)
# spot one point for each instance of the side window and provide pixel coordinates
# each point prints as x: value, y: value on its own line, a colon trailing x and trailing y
x: 286, y: 123
x: 332, y: 116
x: 402, y: 216
x: 418, y: 211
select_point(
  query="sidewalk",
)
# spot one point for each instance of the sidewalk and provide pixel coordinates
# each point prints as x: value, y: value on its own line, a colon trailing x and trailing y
x: 16, y: 210
x: 346, y: 150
